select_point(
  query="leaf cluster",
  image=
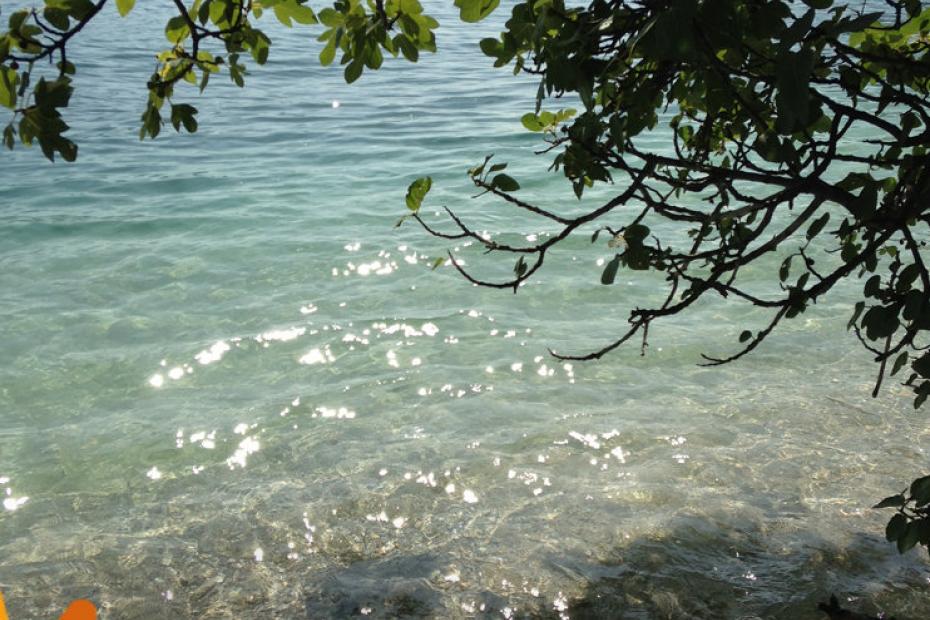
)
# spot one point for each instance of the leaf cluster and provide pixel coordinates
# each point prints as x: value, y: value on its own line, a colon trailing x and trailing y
x: 910, y: 526
x: 758, y: 100
x: 205, y: 38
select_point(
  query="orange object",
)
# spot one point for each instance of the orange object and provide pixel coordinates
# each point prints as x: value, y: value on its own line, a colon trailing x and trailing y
x: 81, y: 609
x: 3, y: 615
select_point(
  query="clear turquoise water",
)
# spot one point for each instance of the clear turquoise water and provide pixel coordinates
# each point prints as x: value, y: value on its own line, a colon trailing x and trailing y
x: 374, y: 437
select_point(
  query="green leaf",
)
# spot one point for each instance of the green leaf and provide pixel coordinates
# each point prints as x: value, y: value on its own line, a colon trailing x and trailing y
x: 817, y: 225
x: 260, y: 46
x: 635, y: 234
x: 289, y: 11
x: 302, y: 14
x: 895, y: 528
x: 354, y: 70
x: 785, y: 270
x: 792, y: 75
x: 8, y: 80
x: 407, y: 47
x: 374, y: 58
x: 923, y: 391
x: 124, y: 6
x: 637, y: 257
x: 564, y: 115
x: 923, y: 530
x: 183, y: 114
x: 331, y: 18
x: 490, y: 47
x: 920, y: 491
x: 203, y: 12
x: 52, y: 94
x: 855, y: 24
x: 478, y: 170
x: 56, y: 17
x: 610, y: 271
x: 235, y: 74
x: 894, y: 501
x: 864, y: 205
x: 505, y: 183
x: 906, y: 278
x: 417, y: 191
x: 67, y: 148
x: 151, y: 122
x: 283, y: 14
x: 531, y: 122
x: 857, y: 311
x: 880, y: 322
x: 9, y: 136
x: 745, y: 335
x: 908, y: 538
x: 78, y: 9
x: 798, y: 30
x: 475, y: 10
x: 872, y: 286
x: 328, y: 53
x: 17, y: 19
x: 914, y: 301
x: 922, y: 366
x: 899, y: 363
x: 176, y: 29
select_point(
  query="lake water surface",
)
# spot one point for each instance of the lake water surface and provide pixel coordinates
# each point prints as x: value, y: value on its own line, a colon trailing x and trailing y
x: 230, y: 388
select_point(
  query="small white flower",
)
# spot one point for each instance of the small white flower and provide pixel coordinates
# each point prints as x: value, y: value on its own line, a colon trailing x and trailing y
x: 617, y: 241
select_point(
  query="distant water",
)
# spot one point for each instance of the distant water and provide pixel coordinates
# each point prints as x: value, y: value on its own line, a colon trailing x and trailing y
x: 230, y: 388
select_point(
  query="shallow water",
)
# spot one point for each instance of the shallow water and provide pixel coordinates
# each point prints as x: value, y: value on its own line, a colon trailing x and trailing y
x: 230, y: 388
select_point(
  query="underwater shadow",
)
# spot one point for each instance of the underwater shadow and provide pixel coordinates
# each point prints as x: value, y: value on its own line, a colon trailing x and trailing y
x: 691, y: 568
x: 396, y: 586
x: 702, y: 569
